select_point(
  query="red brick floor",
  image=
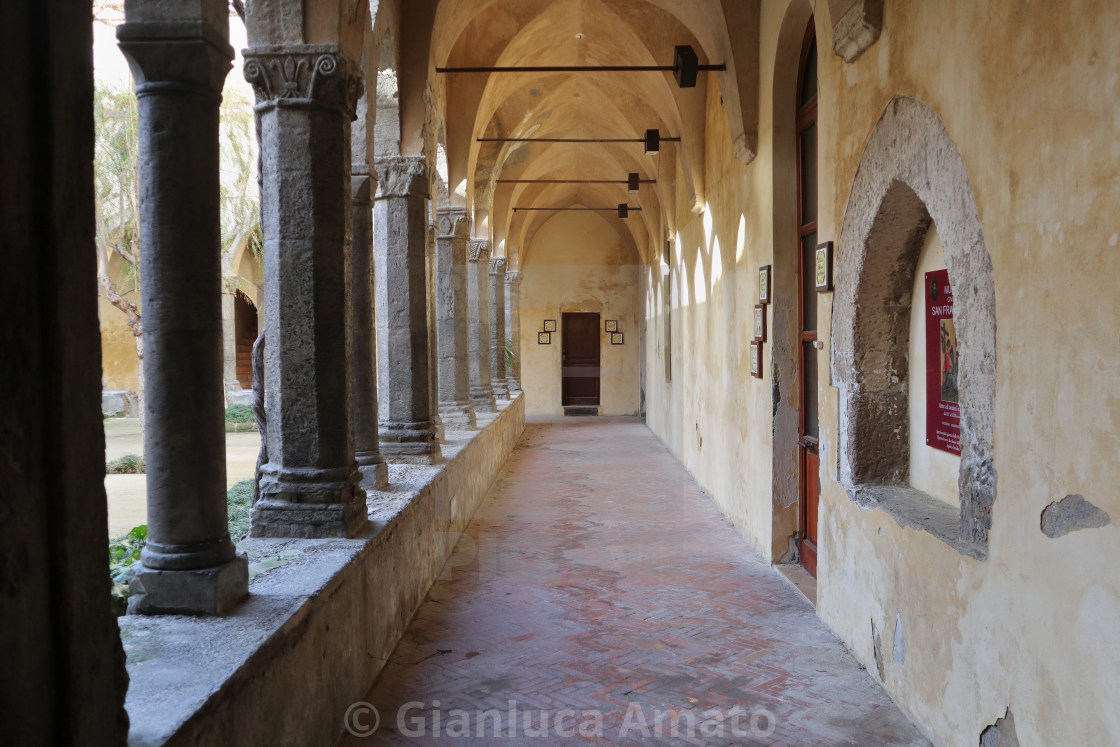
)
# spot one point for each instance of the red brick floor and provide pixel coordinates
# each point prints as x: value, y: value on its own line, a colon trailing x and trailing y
x: 597, y: 579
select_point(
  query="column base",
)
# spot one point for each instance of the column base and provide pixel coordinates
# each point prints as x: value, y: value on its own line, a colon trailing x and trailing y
x: 482, y: 397
x: 309, y: 503
x: 501, y: 388
x: 514, y: 387
x: 373, y: 469
x: 203, y: 591
x: 457, y: 416
x: 410, y: 443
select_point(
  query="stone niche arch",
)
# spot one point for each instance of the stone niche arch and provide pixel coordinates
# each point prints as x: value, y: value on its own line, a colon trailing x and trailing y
x: 911, y: 174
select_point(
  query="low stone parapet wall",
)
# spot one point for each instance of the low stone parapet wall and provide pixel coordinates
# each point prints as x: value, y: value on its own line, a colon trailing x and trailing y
x: 322, y: 617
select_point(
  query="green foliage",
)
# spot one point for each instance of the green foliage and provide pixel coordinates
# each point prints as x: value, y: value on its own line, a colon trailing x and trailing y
x: 124, y: 551
x: 509, y: 353
x: 239, y: 414
x: 239, y: 500
x: 240, y: 205
x: 129, y: 464
x: 115, y: 164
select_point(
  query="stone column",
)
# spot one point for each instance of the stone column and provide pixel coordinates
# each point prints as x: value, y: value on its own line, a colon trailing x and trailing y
x: 229, y: 342
x: 498, y: 328
x: 367, y: 447
x: 478, y: 282
x: 306, y: 95
x: 404, y: 380
x: 513, y: 329
x: 433, y: 343
x: 452, y: 306
x: 189, y: 565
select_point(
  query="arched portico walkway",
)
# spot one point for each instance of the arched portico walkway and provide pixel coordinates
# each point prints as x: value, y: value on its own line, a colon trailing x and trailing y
x: 598, y: 577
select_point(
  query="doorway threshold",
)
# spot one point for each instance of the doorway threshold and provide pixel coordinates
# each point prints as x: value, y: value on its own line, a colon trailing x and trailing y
x: 570, y: 410
x: 800, y: 579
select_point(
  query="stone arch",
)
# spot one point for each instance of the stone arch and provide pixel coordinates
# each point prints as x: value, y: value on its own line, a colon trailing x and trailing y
x: 911, y: 173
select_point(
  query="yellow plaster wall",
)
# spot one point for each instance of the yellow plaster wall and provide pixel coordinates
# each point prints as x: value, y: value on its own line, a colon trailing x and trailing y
x: 118, y: 346
x: 1028, y: 92
x: 576, y: 262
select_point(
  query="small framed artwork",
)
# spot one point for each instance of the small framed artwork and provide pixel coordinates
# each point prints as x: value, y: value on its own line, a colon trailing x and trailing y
x: 544, y: 338
x: 756, y: 358
x: 764, y: 284
x: 823, y: 272
x: 616, y: 338
x: 760, y: 322
x: 611, y: 325
x: 549, y: 325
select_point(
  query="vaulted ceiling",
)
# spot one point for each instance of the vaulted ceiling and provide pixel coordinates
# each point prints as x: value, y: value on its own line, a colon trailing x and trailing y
x: 519, y: 33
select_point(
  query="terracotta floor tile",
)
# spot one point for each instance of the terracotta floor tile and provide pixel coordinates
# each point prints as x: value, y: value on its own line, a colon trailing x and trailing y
x: 606, y: 581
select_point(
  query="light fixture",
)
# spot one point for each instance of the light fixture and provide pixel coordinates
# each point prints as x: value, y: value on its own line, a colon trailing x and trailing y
x: 685, y: 66
x: 623, y: 210
x: 632, y: 182
x: 653, y: 142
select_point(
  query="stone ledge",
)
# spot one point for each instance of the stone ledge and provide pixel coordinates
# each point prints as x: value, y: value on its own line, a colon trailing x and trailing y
x: 322, y: 617
x: 913, y: 508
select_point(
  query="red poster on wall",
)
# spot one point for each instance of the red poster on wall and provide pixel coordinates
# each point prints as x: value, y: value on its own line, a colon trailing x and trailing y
x: 943, y: 410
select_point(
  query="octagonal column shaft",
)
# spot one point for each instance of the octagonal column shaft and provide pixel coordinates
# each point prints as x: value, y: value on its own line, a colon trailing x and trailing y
x: 189, y: 565
x: 452, y: 311
x: 404, y: 379
x: 513, y: 329
x: 433, y: 342
x: 498, y: 328
x: 478, y: 286
x: 367, y: 447
x: 306, y: 96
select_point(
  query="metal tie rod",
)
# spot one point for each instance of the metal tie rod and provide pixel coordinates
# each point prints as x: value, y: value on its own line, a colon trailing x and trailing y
x: 684, y: 68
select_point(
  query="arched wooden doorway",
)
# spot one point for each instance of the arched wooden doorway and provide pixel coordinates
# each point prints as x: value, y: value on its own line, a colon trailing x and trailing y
x: 808, y: 430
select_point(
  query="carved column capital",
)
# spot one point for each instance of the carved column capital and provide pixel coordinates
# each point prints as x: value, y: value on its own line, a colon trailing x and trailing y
x: 453, y: 222
x: 498, y: 266
x: 304, y: 75
x: 401, y: 176
x: 479, y: 250
x: 513, y: 278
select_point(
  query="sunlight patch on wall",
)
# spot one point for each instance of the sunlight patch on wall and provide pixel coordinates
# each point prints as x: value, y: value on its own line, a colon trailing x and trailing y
x: 741, y: 238
x: 717, y: 264
x: 701, y: 285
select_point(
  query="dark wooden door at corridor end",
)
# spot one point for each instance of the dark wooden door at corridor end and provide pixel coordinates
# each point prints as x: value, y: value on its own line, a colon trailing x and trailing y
x: 579, y: 372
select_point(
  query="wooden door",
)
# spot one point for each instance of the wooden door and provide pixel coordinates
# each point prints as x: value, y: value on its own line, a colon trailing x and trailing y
x: 808, y: 441
x: 579, y: 374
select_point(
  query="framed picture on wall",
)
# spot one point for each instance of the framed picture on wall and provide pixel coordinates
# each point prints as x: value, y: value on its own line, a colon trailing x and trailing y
x: 611, y: 325
x: 756, y: 359
x: 764, y: 284
x: 616, y: 338
x: 549, y: 325
x: 544, y: 338
x: 823, y: 267
x: 760, y: 322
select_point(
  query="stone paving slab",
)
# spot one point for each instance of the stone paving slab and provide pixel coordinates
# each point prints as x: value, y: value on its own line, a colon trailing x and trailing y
x: 599, y: 597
